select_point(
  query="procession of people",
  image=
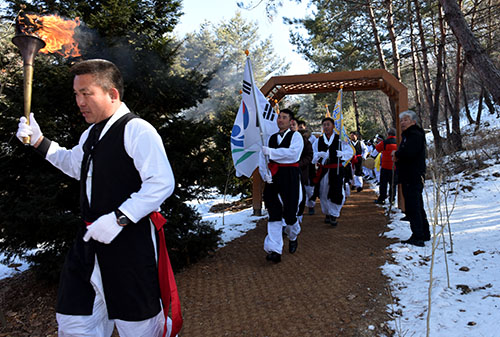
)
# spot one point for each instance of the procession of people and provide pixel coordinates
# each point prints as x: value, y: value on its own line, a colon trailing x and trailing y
x: 125, y: 176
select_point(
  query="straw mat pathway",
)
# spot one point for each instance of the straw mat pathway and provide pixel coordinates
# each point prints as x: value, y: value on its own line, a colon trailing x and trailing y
x: 332, y: 285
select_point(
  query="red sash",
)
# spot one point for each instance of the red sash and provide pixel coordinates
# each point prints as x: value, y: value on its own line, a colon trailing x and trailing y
x: 319, y: 171
x: 168, y: 287
x: 356, y: 159
x: 273, y: 167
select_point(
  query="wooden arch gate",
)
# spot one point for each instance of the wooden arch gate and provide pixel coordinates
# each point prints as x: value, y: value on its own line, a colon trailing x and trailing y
x: 278, y: 87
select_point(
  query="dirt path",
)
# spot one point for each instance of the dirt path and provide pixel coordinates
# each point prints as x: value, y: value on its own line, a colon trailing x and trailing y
x: 332, y: 285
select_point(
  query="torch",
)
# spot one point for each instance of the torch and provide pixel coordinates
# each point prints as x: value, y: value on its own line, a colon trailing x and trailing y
x: 47, y: 34
x: 29, y: 47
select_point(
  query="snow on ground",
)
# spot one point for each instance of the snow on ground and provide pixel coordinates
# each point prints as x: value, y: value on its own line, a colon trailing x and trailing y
x: 465, y: 294
x: 232, y: 224
x: 14, y: 267
x: 470, y: 304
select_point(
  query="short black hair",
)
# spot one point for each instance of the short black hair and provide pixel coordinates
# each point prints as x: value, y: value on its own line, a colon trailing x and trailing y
x: 301, y: 122
x: 288, y: 112
x: 328, y: 119
x: 106, y: 74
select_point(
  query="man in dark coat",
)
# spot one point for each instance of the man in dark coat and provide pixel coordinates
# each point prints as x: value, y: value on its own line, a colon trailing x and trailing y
x: 410, y: 161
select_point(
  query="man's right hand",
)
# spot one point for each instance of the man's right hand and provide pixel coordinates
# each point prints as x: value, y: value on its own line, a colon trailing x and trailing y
x: 268, y: 178
x: 33, y: 130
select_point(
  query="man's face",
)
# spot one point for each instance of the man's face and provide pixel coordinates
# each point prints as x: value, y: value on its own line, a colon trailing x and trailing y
x: 406, y: 122
x: 293, y: 125
x: 327, y: 128
x: 302, y: 126
x: 95, y: 104
x: 283, y: 121
x: 354, y: 137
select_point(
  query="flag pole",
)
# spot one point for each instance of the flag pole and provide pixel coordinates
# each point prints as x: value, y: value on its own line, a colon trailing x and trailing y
x: 266, y: 157
x: 341, y: 128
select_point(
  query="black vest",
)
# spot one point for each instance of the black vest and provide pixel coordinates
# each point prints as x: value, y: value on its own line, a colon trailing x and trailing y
x: 273, y: 140
x: 114, y: 176
x: 332, y: 149
x: 358, y: 147
x: 128, y: 265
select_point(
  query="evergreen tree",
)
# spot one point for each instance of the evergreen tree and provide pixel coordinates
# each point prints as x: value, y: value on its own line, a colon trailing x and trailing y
x: 218, y: 49
x: 39, y: 204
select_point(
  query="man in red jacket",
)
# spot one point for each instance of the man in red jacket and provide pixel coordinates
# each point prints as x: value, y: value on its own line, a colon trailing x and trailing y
x: 386, y: 147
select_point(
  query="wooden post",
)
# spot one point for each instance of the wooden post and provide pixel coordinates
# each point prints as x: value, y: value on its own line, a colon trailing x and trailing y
x: 257, y: 185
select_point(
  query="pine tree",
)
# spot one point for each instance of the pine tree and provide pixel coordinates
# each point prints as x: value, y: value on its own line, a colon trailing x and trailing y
x: 38, y: 203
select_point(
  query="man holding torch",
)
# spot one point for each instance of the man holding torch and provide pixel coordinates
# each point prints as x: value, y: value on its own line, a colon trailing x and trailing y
x: 110, y: 276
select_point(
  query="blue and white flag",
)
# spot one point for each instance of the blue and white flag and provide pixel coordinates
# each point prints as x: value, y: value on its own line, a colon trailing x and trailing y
x: 255, y: 122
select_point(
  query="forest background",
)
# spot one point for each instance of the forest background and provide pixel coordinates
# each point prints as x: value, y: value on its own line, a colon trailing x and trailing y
x: 188, y: 88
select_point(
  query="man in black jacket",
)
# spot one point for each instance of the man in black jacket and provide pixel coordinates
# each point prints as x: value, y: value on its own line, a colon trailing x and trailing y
x: 410, y: 161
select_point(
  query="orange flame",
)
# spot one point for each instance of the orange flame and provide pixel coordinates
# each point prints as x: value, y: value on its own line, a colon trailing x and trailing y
x: 56, y: 32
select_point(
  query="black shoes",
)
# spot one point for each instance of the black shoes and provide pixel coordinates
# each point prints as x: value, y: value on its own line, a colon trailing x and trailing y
x: 311, y: 210
x: 274, y: 257
x: 292, y: 246
x: 330, y: 219
x: 415, y: 242
x: 359, y: 189
x: 379, y: 201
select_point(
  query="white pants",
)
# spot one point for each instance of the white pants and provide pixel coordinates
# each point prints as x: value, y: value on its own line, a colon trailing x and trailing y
x: 358, y: 181
x: 328, y: 207
x: 309, y: 193
x: 98, y: 324
x: 274, y: 239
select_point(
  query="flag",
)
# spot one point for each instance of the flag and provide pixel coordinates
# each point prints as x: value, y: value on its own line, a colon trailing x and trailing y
x: 255, y: 122
x: 337, y: 116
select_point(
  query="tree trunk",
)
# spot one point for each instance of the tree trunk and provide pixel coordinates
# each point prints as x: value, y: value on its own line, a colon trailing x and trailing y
x: 479, y: 110
x: 455, y: 135
x: 474, y: 53
x: 380, y: 53
x: 381, y: 112
x: 378, y: 45
x: 437, y: 90
x: 466, y: 105
x: 425, y: 61
x: 395, y: 52
x: 489, y: 104
x: 392, y: 36
x: 356, y: 112
x: 432, y: 106
x: 418, y: 105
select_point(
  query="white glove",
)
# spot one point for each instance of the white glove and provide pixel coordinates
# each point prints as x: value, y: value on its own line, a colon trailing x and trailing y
x: 323, y: 154
x: 104, y: 229
x: 24, y: 130
x: 268, y: 178
x: 340, y: 153
x: 266, y: 151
